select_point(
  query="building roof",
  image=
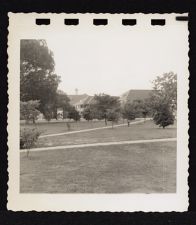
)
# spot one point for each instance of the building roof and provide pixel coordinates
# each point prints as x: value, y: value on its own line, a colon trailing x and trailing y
x: 88, y: 100
x: 79, y: 99
x: 133, y: 95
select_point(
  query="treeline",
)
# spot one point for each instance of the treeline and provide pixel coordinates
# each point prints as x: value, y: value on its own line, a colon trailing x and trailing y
x: 161, y: 105
x: 39, y: 84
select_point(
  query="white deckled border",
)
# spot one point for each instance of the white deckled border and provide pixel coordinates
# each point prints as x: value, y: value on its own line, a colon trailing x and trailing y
x: 22, y: 26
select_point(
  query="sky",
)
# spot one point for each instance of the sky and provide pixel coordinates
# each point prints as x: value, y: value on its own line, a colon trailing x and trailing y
x: 113, y: 61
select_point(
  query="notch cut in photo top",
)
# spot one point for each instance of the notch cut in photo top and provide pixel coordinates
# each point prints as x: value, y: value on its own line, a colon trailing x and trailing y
x: 42, y: 21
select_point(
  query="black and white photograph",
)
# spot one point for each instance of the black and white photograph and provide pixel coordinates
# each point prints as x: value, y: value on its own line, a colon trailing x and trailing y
x: 98, y: 112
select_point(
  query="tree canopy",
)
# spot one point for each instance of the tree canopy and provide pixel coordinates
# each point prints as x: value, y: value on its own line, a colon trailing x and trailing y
x: 163, y: 116
x: 165, y: 90
x: 164, y: 99
x: 88, y: 113
x: 28, y: 110
x: 73, y: 114
x: 104, y: 104
x: 37, y: 78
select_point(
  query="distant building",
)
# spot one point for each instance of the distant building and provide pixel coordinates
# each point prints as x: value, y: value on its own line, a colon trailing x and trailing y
x: 80, y: 102
x: 134, y: 95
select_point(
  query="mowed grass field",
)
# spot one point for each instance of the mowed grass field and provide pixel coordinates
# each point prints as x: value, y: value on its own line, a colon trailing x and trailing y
x: 61, y: 127
x: 124, y: 168
x: 135, y: 168
x: 141, y: 131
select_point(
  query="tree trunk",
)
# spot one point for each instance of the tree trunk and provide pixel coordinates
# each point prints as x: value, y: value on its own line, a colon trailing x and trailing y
x: 28, y: 150
x: 68, y: 126
x: 106, y: 121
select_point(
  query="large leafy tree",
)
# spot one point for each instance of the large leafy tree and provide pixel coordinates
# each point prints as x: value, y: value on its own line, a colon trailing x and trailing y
x: 165, y: 91
x: 164, y: 99
x: 37, y: 78
x: 104, y: 104
x: 163, y: 115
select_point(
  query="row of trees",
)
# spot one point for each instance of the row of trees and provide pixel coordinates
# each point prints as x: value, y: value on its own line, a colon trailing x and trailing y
x: 39, y: 94
x: 105, y: 107
x: 161, y: 105
x: 109, y: 108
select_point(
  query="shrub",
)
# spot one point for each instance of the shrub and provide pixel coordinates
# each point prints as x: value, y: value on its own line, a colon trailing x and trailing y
x: 113, y: 116
x: 28, y: 138
x: 29, y: 111
x: 164, y: 116
x: 74, y: 114
x: 88, y: 113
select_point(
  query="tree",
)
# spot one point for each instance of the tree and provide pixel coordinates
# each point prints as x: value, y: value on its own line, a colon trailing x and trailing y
x: 29, y: 110
x: 62, y: 101
x: 28, y: 138
x: 165, y: 90
x: 113, y: 116
x: 128, y: 112
x: 48, y: 111
x: 104, y: 103
x: 37, y: 78
x: 163, y: 116
x: 74, y: 114
x: 142, y: 108
x: 88, y: 113
x: 164, y: 99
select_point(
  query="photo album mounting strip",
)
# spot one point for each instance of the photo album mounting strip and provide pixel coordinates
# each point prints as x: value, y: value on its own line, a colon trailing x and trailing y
x: 98, y: 112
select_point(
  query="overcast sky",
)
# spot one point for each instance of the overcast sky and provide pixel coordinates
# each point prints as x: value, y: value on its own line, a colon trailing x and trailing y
x: 115, y: 61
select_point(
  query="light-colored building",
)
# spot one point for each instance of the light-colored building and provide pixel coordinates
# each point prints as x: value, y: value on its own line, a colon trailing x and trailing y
x: 80, y: 102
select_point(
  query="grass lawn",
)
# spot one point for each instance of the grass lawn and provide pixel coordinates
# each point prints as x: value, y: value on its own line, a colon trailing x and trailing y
x: 147, y: 130
x: 61, y: 127
x: 136, y: 168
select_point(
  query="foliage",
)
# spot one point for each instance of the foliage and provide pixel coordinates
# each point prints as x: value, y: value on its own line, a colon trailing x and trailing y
x: 104, y: 103
x: 165, y: 90
x: 88, y: 113
x: 62, y: 101
x: 74, y: 114
x: 28, y: 138
x: 28, y: 110
x: 113, y: 116
x: 142, y: 108
x: 137, y: 108
x: 37, y: 78
x: 163, y: 116
x: 48, y: 112
x: 164, y: 99
x: 128, y: 111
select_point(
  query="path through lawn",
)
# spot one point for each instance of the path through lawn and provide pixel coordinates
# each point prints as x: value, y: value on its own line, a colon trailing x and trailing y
x: 142, y: 168
x: 90, y: 129
x: 59, y: 127
x: 141, y: 131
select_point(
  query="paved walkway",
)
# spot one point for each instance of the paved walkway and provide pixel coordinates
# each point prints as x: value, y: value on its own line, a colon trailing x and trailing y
x: 99, y: 144
x: 91, y: 129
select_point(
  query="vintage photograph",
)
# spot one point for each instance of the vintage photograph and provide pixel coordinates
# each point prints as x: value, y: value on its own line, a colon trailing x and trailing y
x: 101, y: 108
x: 89, y: 124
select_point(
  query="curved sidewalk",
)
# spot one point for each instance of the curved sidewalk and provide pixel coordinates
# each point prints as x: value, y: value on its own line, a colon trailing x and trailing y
x: 99, y: 144
x: 91, y: 129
